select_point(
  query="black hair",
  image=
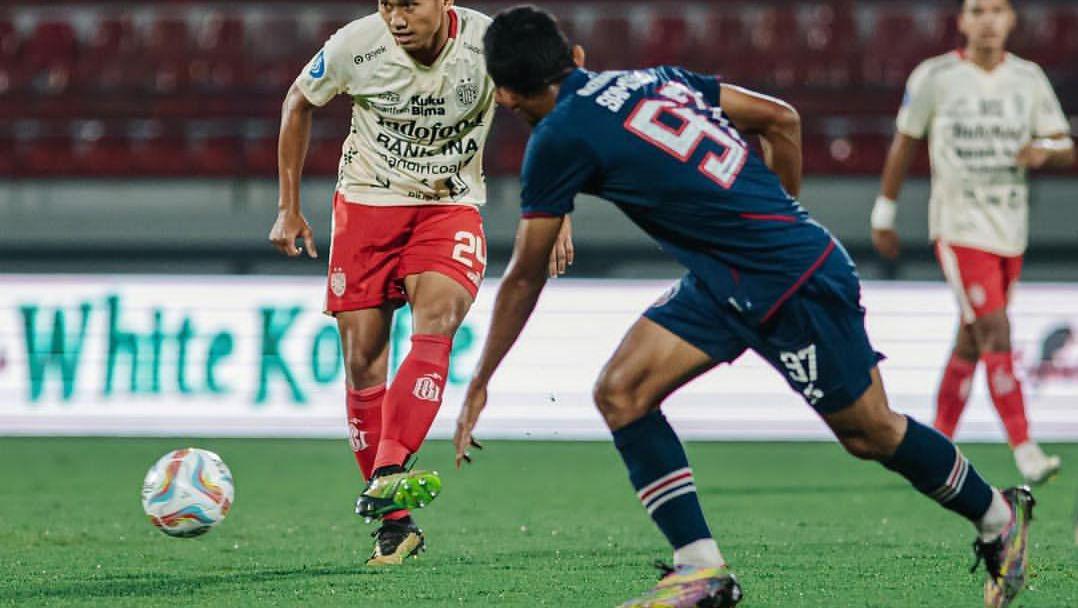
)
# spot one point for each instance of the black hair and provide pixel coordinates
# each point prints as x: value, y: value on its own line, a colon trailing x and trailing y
x: 526, y: 51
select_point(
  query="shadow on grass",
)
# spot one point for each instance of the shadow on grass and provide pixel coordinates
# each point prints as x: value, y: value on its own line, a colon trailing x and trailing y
x: 152, y: 584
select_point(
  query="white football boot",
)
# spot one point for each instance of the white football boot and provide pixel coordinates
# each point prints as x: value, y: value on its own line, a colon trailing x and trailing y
x: 1034, y: 465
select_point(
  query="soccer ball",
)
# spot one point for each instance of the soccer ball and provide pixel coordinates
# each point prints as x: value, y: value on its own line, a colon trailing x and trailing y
x: 187, y: 492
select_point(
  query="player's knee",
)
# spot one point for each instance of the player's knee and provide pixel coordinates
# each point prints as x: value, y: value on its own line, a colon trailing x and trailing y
x: 364, y: 371
x: 993, y: 332
x: 874, y: 439
x: 615, y: 396
x: 442, y: 319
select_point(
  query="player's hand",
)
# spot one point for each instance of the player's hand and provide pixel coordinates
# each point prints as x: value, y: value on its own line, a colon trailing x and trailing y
x: 289, y: 227
x: 1032, y: 157
x: 886, y: 242
x: 561, y: 257
x: 474, y: 403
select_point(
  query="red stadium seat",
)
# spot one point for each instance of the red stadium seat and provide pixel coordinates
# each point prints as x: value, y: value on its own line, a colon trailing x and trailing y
x: 163, y: 153
x: 47, y: 155
x: 104, y: 157
x: 612, y: 44
x: 720, y: 47
x: 668, y: 42
x: 260, y: 155
x: 216, y: 156
x: 894, y: 48
x: 48, y: 57
x: 111, y: 61
x: 323, y: 157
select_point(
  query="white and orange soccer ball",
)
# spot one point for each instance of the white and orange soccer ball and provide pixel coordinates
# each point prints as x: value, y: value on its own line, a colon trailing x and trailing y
x: 187, y: 492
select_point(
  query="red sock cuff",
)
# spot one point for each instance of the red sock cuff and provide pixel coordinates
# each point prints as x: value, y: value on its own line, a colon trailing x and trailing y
x: 367, y: 395
x: 431, y: 348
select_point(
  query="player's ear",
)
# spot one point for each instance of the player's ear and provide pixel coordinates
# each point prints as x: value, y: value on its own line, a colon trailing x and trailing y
x: 579, y: 56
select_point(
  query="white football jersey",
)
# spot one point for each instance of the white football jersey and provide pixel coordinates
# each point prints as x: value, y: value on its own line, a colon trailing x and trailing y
x: 976, y: 122
x: 417, y: 132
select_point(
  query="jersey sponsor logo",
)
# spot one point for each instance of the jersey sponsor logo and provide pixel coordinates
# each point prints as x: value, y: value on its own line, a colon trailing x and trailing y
x: 428, y: 388
x: 318, y: 70
x: 457, y: 186
x: 407, y: 149
x: 368, y: 56
x: 427, y: 106
x: 410, y: 130
x: 337, y: 282
x: 467, y: 92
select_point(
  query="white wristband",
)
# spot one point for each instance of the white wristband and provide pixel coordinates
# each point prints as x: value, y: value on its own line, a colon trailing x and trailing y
x: 883, y: 214
x: 1052, y: 144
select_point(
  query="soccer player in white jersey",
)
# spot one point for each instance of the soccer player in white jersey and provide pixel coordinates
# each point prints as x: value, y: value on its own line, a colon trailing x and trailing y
x: 989, y: 117
x: 406, y: 228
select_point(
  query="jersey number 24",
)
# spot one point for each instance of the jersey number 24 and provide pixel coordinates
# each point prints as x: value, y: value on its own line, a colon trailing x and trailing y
x: 693, y: 128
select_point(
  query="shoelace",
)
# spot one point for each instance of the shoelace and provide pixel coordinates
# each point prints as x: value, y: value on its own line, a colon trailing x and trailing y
x: 664, y: 567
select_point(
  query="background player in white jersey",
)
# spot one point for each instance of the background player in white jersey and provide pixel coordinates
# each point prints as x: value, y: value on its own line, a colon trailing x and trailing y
x: 989, y: 117
x: 405, y: 227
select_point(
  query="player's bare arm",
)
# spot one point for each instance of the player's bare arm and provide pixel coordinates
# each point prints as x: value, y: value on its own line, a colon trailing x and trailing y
x: 517, y: 296
x: 1053, y: 152
x: 291, y: 152
x: 884, y: 236
x: 778, y: 125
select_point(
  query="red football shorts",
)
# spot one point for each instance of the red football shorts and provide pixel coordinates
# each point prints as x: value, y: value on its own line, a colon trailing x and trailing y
x: 981, y: 280
x: 374, y: 248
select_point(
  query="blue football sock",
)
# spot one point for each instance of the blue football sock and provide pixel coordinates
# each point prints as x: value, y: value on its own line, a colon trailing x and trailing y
x: 663, y: 480
x: 938, y: 470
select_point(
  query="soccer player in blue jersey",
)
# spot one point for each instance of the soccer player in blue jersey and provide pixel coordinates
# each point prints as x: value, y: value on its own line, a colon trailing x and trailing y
x: 667, y: 147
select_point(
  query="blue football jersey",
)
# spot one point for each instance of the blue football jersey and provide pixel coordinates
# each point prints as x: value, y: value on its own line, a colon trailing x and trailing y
x: 656, y: 143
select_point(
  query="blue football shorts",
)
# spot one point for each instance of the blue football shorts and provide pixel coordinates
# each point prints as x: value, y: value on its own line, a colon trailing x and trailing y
x: 816, y: 339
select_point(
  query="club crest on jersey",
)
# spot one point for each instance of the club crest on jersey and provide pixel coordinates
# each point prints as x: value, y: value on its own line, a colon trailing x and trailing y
x: 428, y: 387
x: 318, y: 70
x: 337, y: 282
x: 467, y: 92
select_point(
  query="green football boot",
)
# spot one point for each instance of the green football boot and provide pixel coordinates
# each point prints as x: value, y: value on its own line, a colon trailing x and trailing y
x: 396, y: 491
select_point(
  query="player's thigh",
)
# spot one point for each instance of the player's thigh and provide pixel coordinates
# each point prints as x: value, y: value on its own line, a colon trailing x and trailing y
x: 449, y: 240
x: 680, y: 337
x: 978, y: 279
x: 439, y: 302
x: 365, y: 344
x: 818, y: 342
x: 365, y: 253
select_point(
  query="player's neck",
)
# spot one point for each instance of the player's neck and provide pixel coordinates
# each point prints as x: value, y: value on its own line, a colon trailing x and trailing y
x: 430, y: 54
x: 987, y: 59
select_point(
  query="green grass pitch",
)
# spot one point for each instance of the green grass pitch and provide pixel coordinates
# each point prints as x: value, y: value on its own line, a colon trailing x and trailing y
x: 529, y: 524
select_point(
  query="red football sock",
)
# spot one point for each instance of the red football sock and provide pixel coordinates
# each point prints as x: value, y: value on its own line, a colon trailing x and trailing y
x: 365, y: 425
x: 953, y: 394
x: 1006, y: 393
x: 413, y: 399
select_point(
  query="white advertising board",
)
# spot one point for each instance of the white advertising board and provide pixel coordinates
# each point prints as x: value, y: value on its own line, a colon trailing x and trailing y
x: 254, y: 356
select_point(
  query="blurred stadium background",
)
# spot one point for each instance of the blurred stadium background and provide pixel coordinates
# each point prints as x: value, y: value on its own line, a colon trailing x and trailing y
x: 138, y: 153
x: 140, y: 137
